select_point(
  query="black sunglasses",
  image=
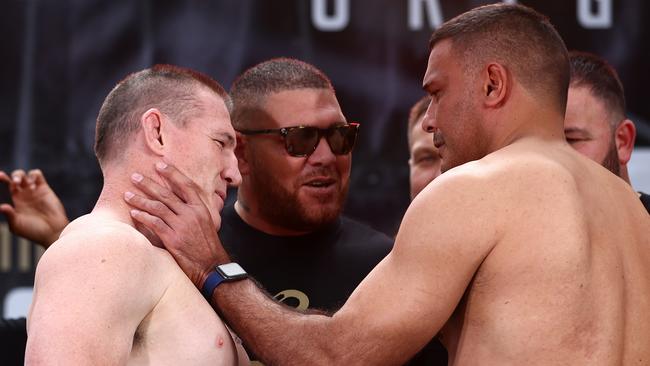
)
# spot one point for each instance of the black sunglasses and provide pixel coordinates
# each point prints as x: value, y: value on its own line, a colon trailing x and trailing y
x: 301, y: 141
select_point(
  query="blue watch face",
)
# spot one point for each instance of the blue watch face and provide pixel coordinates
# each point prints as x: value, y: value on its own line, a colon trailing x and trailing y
x: 231, y: 270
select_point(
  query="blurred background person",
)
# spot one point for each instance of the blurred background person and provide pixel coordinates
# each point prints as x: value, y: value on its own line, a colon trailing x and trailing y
x: 596, y: 124
x: 424, y: 160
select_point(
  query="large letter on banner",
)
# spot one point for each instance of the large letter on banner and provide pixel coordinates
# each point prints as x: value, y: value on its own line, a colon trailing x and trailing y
x: 330, y: 23
x: 601, y: 18
x: 416, y: 16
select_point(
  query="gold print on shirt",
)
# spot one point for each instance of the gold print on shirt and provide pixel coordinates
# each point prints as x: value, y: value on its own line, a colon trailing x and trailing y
x: 294, y: 298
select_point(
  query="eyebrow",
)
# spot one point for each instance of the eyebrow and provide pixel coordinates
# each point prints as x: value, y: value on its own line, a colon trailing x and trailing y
x: 576, y: 130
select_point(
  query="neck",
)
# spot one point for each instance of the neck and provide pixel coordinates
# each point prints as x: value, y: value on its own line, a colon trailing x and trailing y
x: 526, y: 118
x: 251, y: 215
x: 111, y: 203
x: 624, y: 174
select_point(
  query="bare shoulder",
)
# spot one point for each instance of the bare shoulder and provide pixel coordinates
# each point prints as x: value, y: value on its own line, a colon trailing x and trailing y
x: 481, y: 200
x: 91, y: 243
x: 458, y: 214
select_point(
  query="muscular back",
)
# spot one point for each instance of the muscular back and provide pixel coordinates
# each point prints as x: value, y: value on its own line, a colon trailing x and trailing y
x: 105, y: 295
x: 568, y: 278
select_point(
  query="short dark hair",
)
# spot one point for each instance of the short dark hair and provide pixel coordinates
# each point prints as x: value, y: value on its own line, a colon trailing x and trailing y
x: 171, y: 89
x: 416, y: 112
x: 250, y: 89
x: 519, y: 37
x: 593, y: 72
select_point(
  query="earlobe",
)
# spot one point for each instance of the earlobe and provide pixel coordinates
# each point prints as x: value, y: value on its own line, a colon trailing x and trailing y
x: 151, y: 122
x: 495, y: 85
x: 625, y: 135
x: 240, y: 153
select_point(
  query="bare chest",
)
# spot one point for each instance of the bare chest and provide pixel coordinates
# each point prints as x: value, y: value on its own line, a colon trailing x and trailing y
x: 183, y: 329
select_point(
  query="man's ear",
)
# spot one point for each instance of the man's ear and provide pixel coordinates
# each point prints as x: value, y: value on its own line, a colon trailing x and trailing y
x: 624, y: 136
x: 152, y: 123
x: 241, y: 153
x: 496, y: 85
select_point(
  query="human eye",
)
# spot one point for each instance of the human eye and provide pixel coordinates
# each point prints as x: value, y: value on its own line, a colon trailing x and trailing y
x: 219, y: 142
x: 424, y: 159
x: 574, y: 139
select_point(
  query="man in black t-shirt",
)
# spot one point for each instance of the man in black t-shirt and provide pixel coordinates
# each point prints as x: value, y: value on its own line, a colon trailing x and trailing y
x: 286, y: 229
x: 294, y: 150
x: 595, y: 123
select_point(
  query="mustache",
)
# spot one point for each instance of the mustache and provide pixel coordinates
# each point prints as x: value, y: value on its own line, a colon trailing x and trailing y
x: 438, y: 139
x: 321, y: 172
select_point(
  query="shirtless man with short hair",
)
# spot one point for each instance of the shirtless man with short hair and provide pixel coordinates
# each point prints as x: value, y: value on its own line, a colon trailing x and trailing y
x: 103, y: 293
x: 523, y: 252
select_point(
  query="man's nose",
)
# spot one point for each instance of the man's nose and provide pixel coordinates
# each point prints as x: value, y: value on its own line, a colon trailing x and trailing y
x: 323, y: 153
x: 428, y: 119
x: 231, y: 172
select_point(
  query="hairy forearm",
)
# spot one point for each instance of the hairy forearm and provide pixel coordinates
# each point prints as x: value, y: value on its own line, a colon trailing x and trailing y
x: 278, y: 334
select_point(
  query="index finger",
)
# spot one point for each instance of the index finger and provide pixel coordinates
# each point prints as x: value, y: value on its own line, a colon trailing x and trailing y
x: 181, y: 185
x: 36, y: 177
x: 4, y: 177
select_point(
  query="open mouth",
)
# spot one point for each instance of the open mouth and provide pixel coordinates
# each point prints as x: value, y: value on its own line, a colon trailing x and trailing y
x: 320, y: 183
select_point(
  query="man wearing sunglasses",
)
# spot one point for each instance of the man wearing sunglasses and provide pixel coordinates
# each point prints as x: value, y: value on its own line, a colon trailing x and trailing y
x: 294, y: 148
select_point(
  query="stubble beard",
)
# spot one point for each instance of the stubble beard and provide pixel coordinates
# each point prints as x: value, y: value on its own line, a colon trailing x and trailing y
x: 287, y: 209
x: 611, y: 162
x: 472, y: 144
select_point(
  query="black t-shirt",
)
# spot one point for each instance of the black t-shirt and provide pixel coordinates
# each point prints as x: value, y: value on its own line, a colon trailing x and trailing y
x: 645, y: 199
x: 319, y: 270
x: 13, y: 338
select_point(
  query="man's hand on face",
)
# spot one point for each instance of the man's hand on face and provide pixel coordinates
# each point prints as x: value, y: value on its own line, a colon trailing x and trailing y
x: 180, y: 219
x: 37, y: 213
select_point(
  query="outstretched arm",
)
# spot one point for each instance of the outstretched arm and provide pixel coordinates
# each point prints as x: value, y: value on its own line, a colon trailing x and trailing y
x: 399, y: 307
x: 37, y: 213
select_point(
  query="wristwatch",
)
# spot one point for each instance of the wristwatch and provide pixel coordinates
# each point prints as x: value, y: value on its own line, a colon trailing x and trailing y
x: 222, y: 273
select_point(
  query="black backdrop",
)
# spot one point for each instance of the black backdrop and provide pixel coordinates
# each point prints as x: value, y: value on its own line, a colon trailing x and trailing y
x: 61, y: 57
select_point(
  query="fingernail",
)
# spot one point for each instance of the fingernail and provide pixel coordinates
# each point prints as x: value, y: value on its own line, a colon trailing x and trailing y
x: 136, y: 177
x: 160, y: 165
x: 128, y: 195
x: 134, y: 212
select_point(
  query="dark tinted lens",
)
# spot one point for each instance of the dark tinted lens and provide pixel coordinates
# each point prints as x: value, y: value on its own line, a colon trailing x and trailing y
x: 342, y: 138
x: 301, y: 141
